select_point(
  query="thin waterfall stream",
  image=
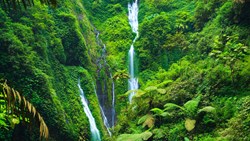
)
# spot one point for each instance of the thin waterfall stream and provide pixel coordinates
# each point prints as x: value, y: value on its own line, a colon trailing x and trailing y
x: 95, y: 133
x: 133, y: 21
x: 105, y: 87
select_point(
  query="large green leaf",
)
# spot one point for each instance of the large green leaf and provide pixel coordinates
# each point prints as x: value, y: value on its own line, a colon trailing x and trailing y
x: 147, y: 120
x: 172, y: 106
x: 139, y: 93
x: 135, y: 137
x: 157, y: 111
x: 208, y: 109
x: 150, y: 88
x: 190, y: 124
x: 161, y: 91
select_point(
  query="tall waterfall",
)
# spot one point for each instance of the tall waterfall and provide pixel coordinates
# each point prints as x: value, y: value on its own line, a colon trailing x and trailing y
x: 105, y: 120
x: 133, y: 21
x: 95, y: 134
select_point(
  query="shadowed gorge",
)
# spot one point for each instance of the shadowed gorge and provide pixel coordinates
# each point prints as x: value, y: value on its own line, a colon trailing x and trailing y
x: 125, y: 70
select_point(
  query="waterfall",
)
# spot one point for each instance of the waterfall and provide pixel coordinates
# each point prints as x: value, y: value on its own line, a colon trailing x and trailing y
x: 133, y: 21
x: 103, y: 86
x: 95, y: 134
x: 105, y: 120
x: 113, y: 101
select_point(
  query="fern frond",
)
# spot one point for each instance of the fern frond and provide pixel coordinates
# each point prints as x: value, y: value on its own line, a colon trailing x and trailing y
x: 172, y: 106
x: 192, y: 105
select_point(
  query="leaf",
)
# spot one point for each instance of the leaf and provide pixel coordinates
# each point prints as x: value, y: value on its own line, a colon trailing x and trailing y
x: 190, y: 124
x: 34, y: 111
x: 150, y: 121
x: 150, y: 88
x: 3, y: 123
x: 19, y: 97
x: 172, y: 106
x: 191, y: 105
x: 135, y: 137
x: 157, y: 111
x: 139, y: 93
x: 128, y: 92
x: 158, y: 133
x: 147, y: 120
x: 165, y: 114
x: 29, y: 106
x: 164, y: 83
x: 208, y: 109
x: 15, y: 121
x: 161, y: 91
x: 142, y: 119
x: 186, y: 139
x: 12, y: 97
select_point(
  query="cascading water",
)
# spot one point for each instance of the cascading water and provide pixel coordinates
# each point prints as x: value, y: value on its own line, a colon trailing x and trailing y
x: 103, y: 86
x: 95, y: 134
x: 133, y: 21
x: 113, y: 101
x: 105, y: 120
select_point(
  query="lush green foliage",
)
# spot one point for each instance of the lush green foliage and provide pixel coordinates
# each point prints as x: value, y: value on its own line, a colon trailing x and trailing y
x: 42, y: 54
x: 194, y: 67
x: 194, y: 58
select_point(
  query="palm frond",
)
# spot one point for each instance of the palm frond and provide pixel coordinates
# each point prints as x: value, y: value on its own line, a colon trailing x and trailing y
x: 15, y: 100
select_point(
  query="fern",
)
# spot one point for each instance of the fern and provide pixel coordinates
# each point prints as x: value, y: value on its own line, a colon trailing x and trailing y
x: 192, y: 105
x: 172, y: 106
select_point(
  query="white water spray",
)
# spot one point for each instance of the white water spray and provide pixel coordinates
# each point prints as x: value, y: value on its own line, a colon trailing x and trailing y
x: 133, y: 21
x: 95, y: 134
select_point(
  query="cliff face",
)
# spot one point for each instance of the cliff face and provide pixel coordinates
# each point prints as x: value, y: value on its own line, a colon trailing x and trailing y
x: 43, y: 53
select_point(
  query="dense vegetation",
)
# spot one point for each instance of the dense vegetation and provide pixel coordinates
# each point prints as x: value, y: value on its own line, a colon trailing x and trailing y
x: 194, y: 68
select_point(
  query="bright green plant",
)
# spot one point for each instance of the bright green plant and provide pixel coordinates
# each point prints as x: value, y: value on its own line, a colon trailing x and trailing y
x: 135, y: 137
x: 190, y: 109
x: 230, y: 53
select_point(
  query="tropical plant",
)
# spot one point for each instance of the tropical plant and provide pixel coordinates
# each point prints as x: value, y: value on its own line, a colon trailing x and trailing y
x: 190, y: 109
x: 135, y: 137
x: 147, y: 120
x: 230, y: 53
x: 18, y: 107
x: 120, y: 74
